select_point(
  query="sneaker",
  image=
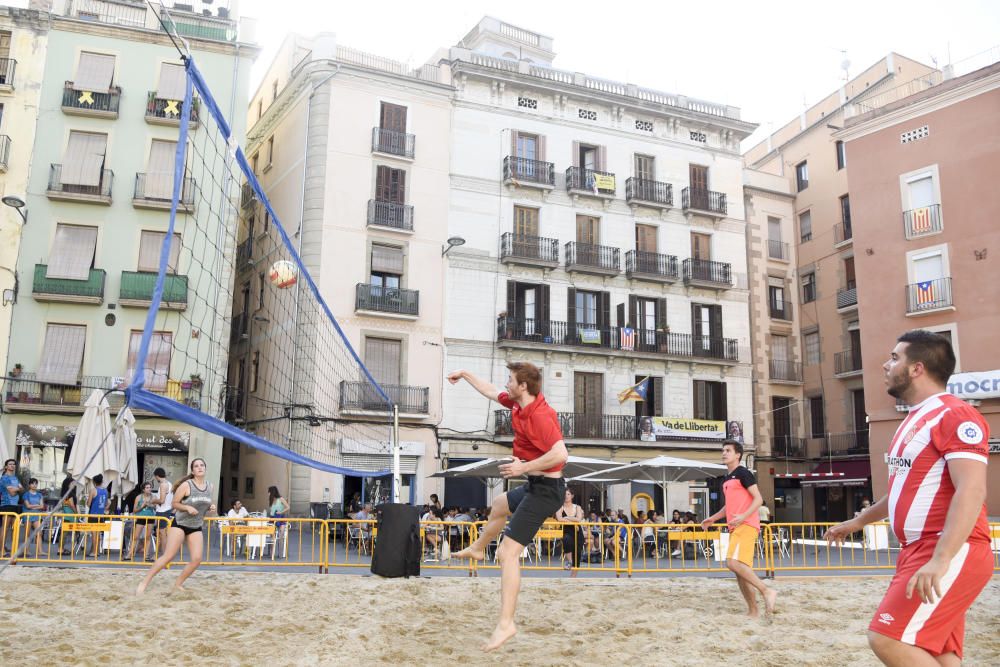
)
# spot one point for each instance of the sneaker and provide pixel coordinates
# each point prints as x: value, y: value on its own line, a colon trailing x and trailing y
x: 675, y: 552
x: 567, y: 565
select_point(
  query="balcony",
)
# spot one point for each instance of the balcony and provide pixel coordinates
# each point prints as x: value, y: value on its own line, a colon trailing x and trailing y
x: 137, y: 290
x: 529, y: 250
x: 788, y: 447
x: 922, y: 221
x: 780, y: 311
x: 583, y: 426
x: 235, y: 403
x: 67, y: 290
x: 847, y: 363
x: 88, y: 103
x: 155, y: 191
x: 7, y: 67
x: 392, y: 142
x: 182, y: 18
x: 5, y: 143
x: 240, y: 327
x: 390, y: 215
x: 201, y: 26
x: 782, y: 370
x: 704, y: 202
x: 361, y: 397
x: 27, y: 393
x: 599, y: 260
x: 534, y: 333
x: 651, y: 266
x: 392, y: 301
x: 247, y: 195
x: 582, y: 181
x: 654, y: 194
x: 847, y: 299
x: 161, y: 111
x: 244, y: 254
x: 99, y: 193
x: 929, y: 296
x: 852, y: 443
x: 842, y: 234
x: 706, y: 273
x: 529, y: 173
x: 777, y: 250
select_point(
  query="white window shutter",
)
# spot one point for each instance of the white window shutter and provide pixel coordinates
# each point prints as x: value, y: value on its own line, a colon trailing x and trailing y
x: 62, y: 354
x: 95, y: 72
x: 173, y: 82
x: 72, y: 252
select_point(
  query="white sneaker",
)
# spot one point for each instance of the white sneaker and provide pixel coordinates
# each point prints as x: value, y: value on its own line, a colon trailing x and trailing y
x: 675, y: 552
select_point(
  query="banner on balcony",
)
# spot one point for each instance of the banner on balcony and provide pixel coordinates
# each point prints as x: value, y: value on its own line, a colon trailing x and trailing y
x: 652, y: 429
x: 978, y: 385
x: 604, y: 182
x: 590, y: 336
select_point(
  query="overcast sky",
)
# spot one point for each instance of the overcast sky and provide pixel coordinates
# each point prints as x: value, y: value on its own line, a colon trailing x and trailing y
x: 765, y: 57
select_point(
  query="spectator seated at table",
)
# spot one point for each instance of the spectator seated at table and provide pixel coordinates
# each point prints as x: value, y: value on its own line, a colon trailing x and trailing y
x: 433, y: 532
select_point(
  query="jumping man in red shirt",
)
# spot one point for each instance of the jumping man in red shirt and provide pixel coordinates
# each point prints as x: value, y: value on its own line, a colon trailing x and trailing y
x: 539, y: 453
x: 936, y: 505
x: 743, y: 499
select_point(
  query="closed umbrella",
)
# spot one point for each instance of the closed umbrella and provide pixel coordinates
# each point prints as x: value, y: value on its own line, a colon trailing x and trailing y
x: 4, y: 452
x: 660, y: 470
x: 125, y: 447
x: 95, y: 425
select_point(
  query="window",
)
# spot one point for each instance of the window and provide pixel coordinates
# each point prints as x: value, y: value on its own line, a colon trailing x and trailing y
x: 805, y: 226
x: 274, y: 90
x: 528, y: 304
x: 698, y: 174
x: 390, y: 185
x: 62, y: 354
x: 392, y: 117
x: 254, y: 370
x: 781, y: 425
x: 83, y: 163
x: 260, y: 109
x: 812, y: 348
x: 817, y: 417
x: 701, y: 246
x: 150, y: 247
x: 156, y: 370
x: 525, y: 221
x: 644, y: 167
x: 773, y: 229
x: 588, y: 400
x: 850, y: 278
x: 270, y: 151
x: 267, y: 222
x: 234, y: 485
x: 802, y: 176
x: 173, y: 82
x: 588, y: 229
x: 845, y: 211
x: 382, y: 357
x: 159, y: 178
x: 710, y: 400
x: 645, y: 238
x: 841, y: 155
x: 95, y: 72
x: 387, y: 262
x: 586, y: 308
x: 706, y: 329
x: 254, y: 163
x: 248, y: 487
x: 921, y: 191
x: 809, y: 287
x: 261, y: 289
x: 527, y: 146
x: 72, y: 254
x: 776, y: 299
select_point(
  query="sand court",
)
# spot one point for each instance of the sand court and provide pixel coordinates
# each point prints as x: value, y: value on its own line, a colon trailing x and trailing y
x: 51, y: 617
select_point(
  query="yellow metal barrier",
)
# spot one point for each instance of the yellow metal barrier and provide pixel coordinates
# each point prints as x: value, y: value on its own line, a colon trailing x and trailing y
x: 86, y: 539
x: 262, y: 541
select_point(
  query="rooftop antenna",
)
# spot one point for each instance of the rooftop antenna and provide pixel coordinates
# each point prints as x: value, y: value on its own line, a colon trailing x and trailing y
x: 845, y: 65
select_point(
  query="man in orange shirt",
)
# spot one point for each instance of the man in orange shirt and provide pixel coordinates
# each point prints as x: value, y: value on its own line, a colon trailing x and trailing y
x: 742, y: 497
x: 539, y: 453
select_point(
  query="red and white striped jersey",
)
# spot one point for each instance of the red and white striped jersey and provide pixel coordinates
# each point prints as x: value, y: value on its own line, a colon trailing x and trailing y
x: 941, y: 429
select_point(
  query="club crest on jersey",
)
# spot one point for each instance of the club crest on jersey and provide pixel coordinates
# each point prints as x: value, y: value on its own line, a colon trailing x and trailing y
x: 970, y: 433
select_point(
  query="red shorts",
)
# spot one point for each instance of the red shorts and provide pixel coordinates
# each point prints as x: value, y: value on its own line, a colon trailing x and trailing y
x: 937, y: 627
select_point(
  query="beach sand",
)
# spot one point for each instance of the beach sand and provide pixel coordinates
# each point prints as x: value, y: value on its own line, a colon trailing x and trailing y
x: 91, y: 617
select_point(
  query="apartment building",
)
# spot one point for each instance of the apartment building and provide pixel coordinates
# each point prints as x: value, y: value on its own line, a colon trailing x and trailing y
x: 605, y: 242
x: 923, y: 191
x: 356, y: 146
x: 98, y: 193
x: 23, y: 41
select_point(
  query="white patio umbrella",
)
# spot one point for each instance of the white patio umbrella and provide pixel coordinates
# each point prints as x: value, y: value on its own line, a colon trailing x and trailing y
x: 4, y: 452
x: 575, y: 466
x: 660, y: 470
x: 95, y: 425
x: 125, y: 447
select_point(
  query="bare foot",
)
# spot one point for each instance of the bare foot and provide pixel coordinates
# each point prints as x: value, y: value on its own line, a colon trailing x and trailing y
x: 753, y: 613
x: 769, y: 597
x: 178, y: 587
x: 141, y: 588
x: 471, y: 552
x: 499, y: 637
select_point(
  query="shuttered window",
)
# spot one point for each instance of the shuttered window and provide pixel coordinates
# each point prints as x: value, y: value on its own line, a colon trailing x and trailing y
x: 710, y: 400
x: 72, y: 254
x: 62, y: 354
x: 392, y: 117
x: 376, y: 463
x: 84, y: 159
x: 150, y: 245
x: 157, y: 368
x: 95, y: 72
x: 390, y: 185
x: 387, y: 259
x: 645, y: 238
x: 382, y: 357
x: 172, y: 82
x: 160, y: 170
x: 525, y: 221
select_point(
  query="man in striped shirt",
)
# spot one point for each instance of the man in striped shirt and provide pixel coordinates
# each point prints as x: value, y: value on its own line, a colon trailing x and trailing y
x: 936, y: 505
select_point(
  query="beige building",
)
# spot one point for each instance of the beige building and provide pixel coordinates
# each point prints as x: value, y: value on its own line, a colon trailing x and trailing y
x: 923, y: 186
x: 834, y: 416
x: 774, y: 325
x: 372, y: 136
x: 23, y: 42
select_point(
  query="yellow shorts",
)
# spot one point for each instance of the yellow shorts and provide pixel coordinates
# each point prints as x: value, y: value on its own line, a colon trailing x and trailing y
x: 742, y: 543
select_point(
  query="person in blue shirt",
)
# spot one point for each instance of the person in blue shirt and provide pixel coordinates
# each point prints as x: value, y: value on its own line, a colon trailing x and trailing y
x: 10, y: 500
x: 98, y: 507
x: 33, y: 501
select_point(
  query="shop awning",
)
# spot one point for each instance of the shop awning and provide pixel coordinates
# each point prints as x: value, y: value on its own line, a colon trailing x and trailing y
x: 840, y: 473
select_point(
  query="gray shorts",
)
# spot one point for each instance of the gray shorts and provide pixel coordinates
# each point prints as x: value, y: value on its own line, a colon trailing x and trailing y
x: 531, y: 504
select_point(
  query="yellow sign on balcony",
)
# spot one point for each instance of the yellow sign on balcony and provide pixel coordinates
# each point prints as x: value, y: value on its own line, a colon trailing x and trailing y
x: 604, y: 181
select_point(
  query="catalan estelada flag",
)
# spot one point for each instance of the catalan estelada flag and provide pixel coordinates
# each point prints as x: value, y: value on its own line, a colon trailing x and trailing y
x: 636, y: 392
x: 921, y: 220
x: 925, y: 293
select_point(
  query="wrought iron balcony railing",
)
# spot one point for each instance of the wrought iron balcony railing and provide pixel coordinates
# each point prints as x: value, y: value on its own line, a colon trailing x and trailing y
x: 704, y: 200
x: 786, y: 371
x: 589, y: 180
x: 89, y: 290
x: 639, y: 263
x: 847, y: 362
x: 100, y: 190
x: 390, y: 214
x: 160, y: 109
x: 523, y: 170
x: 648, y: 191
x: 708, y: 272
x: 922, y: 221
x: 529, y: 249
x: 593, y: 258
x: 363, y: 396
x: 928, y: 295
x: 395, y: 300
x: 137, y: 289
x: 393, y: 142
x: 104, y: 103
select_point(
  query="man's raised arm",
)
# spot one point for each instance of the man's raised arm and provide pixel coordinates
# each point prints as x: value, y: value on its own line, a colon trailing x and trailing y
x: 480, y: 385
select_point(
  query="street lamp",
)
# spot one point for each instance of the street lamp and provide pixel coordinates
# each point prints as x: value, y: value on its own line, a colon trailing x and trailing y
x: 452, y: 242
x: 18, y: 205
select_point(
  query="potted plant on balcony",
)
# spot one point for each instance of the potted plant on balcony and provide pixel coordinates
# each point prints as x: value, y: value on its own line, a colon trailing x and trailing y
x: 196, y: 381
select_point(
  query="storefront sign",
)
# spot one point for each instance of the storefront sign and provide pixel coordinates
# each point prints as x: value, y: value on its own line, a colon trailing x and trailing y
x: 978, y: 385
x: 162, y: 441
x: 44, y: 435
x: 652, y: 429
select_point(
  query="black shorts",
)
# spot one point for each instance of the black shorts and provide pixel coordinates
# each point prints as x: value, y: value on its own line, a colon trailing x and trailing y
x: 13, y: 509
x: 187, y: 531
x: 142, y: 520
x: 531, y: 504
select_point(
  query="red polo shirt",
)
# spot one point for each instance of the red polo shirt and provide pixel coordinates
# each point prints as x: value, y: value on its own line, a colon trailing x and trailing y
x: 536, y: 428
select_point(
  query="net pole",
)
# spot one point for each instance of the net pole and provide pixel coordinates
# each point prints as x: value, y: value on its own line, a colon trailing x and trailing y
x: 397, y: 479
